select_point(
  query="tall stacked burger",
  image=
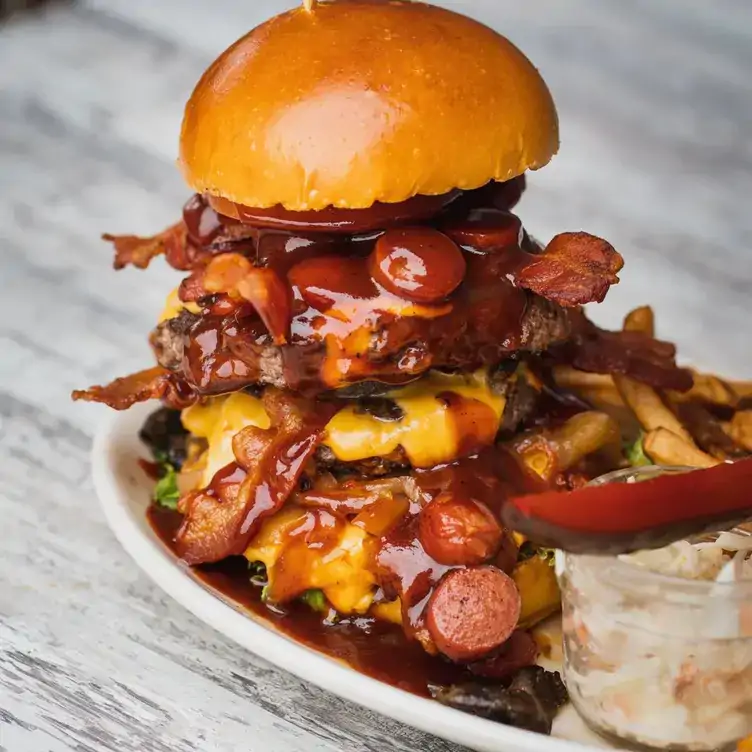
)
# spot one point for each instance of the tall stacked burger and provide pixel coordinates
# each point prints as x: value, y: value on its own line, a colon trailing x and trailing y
x: 357, y: 366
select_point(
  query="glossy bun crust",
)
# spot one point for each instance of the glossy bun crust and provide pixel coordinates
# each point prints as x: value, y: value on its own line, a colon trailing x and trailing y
x: 358, y: 101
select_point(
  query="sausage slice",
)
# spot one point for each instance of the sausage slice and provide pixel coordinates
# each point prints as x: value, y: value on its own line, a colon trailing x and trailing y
x: 459, y: 531
x: 472, y: 611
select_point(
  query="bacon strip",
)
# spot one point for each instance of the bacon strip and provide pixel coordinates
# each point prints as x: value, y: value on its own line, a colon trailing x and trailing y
x: 136, y: 251
x: 263, y: 288
x: 634, y: 354
x: 180, y: 250
x: 153, y: 383
x: 575, y: 268
x: 708, y: 431
x: 221, y: 519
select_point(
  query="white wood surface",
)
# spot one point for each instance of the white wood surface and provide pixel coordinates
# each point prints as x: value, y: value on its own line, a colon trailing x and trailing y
x: 655, y: 100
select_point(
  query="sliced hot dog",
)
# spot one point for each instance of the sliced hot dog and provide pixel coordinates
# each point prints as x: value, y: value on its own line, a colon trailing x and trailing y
x: 472, y: 611
x: 459, y: 531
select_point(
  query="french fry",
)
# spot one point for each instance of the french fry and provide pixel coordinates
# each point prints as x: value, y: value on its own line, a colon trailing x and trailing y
x: 745, y: 745
x: 537, y: 455
x: 649, y: 408
x: 582, y: 435
x: 708, y: 388
x: 740, y: 429
x: 742, y: 388
x: 549, y: 452
x: 598, y: 390
x: 539, y: 592
x: 666, y: 448
x: 570, y: 378
x: 607, y: 396
x: 608, y: 400
x: 645, y: 402
x: 640, y: 320
x: 709, y: 433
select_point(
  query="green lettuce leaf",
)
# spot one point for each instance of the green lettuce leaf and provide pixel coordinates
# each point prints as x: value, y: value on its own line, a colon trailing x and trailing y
x: 166, y: 492
x: 635, y: 453
x: 315, y: 599
x: 548, y: 555
x: 529, y: 549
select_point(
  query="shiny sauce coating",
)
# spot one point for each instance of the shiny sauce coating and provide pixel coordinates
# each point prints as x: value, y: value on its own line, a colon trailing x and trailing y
x: 364, y: 304
x: 376, y: 648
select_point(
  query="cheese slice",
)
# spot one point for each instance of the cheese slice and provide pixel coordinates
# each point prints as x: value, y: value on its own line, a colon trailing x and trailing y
x: 218, y: 420
x: 426, y: 431
x: 343, y: 571
x: 174, y: 307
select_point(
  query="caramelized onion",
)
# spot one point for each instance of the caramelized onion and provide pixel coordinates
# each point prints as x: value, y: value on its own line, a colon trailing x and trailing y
x: 354, y: 497
x: 379, y: 519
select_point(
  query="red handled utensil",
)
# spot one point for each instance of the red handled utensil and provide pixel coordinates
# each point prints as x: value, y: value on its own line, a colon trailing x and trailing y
x: 619, y: 518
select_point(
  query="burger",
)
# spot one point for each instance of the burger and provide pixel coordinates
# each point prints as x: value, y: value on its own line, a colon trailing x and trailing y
x: 356, y: 366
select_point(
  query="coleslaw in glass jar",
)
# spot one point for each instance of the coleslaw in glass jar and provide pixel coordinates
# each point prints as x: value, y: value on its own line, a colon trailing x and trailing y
x: 658, y: 644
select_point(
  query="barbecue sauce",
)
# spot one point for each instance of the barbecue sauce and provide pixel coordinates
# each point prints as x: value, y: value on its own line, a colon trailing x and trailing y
x: 373, y: 647
x: 363, y: 306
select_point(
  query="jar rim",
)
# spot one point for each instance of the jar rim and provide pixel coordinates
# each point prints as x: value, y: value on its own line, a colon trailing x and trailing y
x: 614, y: 475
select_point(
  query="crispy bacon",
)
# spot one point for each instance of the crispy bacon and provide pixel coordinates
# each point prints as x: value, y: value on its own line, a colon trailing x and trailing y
x: 192, y: 288
x: 263, y: 288
x: 153, y: 383
x: 634, y: 354
x: 182, y: 250
x: 708, y: 431
x: 220, y: 520
x: 575, y: 268
x: 135, y: 251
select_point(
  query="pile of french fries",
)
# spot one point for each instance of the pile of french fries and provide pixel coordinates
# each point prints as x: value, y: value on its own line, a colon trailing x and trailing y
x: 637, y: 407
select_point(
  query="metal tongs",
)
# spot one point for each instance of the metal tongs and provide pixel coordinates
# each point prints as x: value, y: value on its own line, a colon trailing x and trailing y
x: 619, y: 518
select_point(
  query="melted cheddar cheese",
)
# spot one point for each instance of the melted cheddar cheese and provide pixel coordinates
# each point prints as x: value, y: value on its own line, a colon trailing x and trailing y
x: 342, y: 570
x: 388, y: 611
x: 426, y: 431
x: 217, y: 420
x: 174, y: 307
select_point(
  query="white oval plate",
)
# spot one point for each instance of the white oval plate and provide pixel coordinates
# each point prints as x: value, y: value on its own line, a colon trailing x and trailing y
x: 124, y: 491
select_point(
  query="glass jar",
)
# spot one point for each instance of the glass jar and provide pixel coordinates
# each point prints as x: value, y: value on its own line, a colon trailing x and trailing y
x: 656, y: 661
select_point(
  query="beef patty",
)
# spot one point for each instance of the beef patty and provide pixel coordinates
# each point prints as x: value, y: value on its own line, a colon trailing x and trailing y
x: 217, y: 355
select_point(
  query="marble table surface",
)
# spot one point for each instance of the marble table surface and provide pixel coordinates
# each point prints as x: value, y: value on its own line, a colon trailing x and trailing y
x: 655, y: 101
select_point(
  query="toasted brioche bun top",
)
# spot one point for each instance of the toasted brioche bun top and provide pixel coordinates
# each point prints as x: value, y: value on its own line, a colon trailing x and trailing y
x: 357, y: 101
